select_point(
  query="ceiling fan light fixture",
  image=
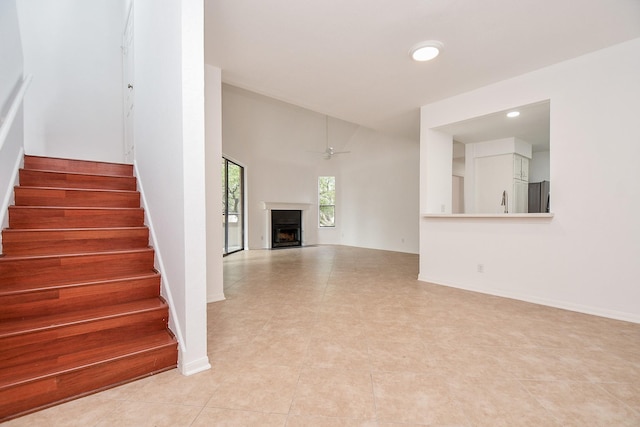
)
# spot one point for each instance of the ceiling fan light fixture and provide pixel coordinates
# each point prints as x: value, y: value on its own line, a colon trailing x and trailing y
x: 426, y: 51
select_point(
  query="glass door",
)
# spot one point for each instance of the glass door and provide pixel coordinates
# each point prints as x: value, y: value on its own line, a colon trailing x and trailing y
x: 232, y: 206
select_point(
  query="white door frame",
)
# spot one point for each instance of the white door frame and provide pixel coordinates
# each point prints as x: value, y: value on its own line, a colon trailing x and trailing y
x: 128, y: 91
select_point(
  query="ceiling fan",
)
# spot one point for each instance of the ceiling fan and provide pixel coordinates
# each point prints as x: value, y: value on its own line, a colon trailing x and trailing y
x: 329, y: 152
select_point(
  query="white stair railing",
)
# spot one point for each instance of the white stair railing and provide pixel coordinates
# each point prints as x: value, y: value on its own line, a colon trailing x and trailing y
x: 11, y: 154
x: 7, y: 121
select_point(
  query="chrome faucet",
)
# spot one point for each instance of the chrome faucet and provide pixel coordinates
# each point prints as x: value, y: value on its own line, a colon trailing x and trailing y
x: 504, y: 202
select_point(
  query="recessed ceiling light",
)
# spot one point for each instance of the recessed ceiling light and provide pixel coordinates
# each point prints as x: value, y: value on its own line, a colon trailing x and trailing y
x: 512, y: 114
x: 426, y: 51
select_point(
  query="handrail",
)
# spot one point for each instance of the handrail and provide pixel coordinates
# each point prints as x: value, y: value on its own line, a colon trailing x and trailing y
x: 6, y: 124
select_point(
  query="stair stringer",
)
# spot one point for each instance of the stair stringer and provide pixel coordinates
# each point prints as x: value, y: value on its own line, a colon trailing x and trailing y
x: 201, y: 364
x: 8, y: 198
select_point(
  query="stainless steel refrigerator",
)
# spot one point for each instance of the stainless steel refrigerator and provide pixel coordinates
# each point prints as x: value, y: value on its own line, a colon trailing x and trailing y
x: 539, y: 197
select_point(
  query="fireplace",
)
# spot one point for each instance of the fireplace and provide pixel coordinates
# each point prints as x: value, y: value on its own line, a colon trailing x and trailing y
x: 286, y: 228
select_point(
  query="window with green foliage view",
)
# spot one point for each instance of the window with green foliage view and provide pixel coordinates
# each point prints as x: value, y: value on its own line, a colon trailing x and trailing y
x: 232, y: 207
x: 327, y: 201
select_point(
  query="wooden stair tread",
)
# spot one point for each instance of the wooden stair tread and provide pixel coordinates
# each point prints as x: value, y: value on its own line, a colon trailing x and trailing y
x: 75, y: 165
x: 11, y: 328
x: 48, y: 178
x: 14, y: 289
x: 72, y: 230
x: 26, y: 235
x: 37, y: 217
x: 75, y: 208
x: 80, y: 197
x: 33, y: 241
x: 80, y: 359
x: 7, y: 258
x: 65, y: 268
x: 73, y: 173
x: 87, y: 190
x: 41, y: 301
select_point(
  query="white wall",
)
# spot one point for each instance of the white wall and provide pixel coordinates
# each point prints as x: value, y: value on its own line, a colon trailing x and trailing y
x: 11, y: 66
x: 280, y: 146
x: 213, y: 154
x: 435, y: 163
x: 380, y: 203
x: 74, y: 107
x: 11, y: 53
x: 170, y: 159
x: 586, y: 257
x: 539, y: 166
x: 272, y: 140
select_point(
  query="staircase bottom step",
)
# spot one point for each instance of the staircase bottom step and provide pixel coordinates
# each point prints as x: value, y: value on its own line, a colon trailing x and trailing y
x: 125, y: 364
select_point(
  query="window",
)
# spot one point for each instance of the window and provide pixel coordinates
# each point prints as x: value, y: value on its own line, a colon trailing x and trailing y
x: 232, y: 207
x: 327, y: 201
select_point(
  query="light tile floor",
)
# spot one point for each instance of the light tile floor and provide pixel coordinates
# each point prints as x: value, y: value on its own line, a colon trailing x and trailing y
x: 340, y: 336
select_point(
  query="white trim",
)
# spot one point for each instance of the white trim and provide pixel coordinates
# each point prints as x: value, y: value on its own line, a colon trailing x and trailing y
x: 303, y: 207
x: 165, y: 290
x: 7, y: 121
x: 194, y: 366
x: 286, y: 206
x: 9, y: 193
x: 502, y: 216
x: 216, y: 297
x: 6, y: 124
x: 564, y: 305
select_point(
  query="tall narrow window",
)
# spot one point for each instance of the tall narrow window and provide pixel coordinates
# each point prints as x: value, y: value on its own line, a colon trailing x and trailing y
x: 232, y: 207
x: 327, y: 201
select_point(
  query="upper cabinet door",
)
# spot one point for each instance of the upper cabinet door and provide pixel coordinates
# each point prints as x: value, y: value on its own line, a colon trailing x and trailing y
x: 525, y: 169
x: 520, y: 167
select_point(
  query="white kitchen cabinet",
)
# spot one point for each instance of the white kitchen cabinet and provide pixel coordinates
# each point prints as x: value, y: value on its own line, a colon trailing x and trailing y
x: 520, y: 184
x: 520, y: 167
x: 508, y: 173
x: 520, y: 196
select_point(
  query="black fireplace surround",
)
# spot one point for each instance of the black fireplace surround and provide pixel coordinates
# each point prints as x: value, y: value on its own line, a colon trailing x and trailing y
x: 286, y: 228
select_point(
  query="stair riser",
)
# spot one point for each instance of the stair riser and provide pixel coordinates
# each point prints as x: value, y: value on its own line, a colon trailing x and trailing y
x: 16, y: 401
x: 71, y: 269
x: 41, y: 218
x: 78, y: 166
x: 29, y: 242
x: 37, y: 196
x: 33, y: 178
x: 55, y: 344
x: 65, y: 299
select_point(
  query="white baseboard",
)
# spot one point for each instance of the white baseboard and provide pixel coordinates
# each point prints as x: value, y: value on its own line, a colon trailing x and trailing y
x: 215, y: 298
x: 194, y: 367
x: 564, y: 305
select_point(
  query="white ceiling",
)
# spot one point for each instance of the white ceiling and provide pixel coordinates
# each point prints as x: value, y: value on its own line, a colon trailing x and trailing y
x: 349, y: 58
x: 532, y: 126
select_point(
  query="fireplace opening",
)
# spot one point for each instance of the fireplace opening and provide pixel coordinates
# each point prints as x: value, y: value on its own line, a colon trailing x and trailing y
x: 286, y: 228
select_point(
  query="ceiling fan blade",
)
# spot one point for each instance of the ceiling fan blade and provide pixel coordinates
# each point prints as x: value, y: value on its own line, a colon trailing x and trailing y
x: 329, y: 151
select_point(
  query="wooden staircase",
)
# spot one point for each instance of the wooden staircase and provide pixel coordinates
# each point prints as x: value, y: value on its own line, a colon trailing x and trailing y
x: 80, y: 304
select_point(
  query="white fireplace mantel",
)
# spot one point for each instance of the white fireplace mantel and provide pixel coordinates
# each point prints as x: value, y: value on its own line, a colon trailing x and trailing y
x: 309, y: 231
x: 286, y: 206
